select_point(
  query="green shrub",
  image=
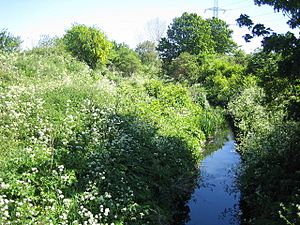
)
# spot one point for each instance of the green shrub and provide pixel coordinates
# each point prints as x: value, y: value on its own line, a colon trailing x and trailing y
x: 8, y: 42
x: 270, y: 148
x: 185, y: 68
x: 125, y: 60
x: 223, y: 78
x: 147, y: 53
x: 88, y: 44
x: 277, y: 86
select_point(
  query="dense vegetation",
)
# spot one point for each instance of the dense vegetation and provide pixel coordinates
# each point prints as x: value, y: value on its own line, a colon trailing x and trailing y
x: 260, y: 92
x: 94, y: 132
x: 113, y: 145
x: 267, y: 117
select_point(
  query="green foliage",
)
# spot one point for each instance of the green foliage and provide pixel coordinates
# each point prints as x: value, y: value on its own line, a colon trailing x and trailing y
x: 147, y: 53
x: 185, y: 68
x: 88, y: 44
x: 46, y: 41
x: 151, y: 64
x: 222, y: 36
x: 192, y: 34
x: 125, y: 60
x: 270, y: 149
x: 286, y: 48
x: 255, y: 29
x: 133, y: 162
x: 188, y: 33
x: 39, y: 64
x: 8, y: 42
x: 290, y: 8
x: 248, y: 111
x: 82, y: 149
x: 223, y: 77
x: 268, y: 133
x: 165, y: 104
x: 265, y: 67
x: 269, y: 143
x: 286, y: 45
x: 279, y: 88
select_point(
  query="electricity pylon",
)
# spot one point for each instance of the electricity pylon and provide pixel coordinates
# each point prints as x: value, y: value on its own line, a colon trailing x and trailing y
x: 216, y: 9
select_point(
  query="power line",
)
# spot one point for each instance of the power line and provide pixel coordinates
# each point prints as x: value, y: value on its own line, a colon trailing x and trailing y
x: 234, y: 3
x: 276, y: 20
x: 244, y: 7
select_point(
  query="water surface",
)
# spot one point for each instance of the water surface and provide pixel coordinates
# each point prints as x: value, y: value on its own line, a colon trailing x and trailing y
x: 216, y: 200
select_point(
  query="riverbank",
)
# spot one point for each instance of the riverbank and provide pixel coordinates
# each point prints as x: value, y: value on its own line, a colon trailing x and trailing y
x: 81, y: 147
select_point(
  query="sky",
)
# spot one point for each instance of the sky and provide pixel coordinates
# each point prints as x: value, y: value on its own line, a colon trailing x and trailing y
x: 125, y: 20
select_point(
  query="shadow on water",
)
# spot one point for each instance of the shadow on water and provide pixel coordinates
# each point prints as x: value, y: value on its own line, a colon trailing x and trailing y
x: 216, y: 199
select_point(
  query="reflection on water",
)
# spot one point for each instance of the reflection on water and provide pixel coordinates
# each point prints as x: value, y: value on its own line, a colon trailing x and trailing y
x: 216, y: 200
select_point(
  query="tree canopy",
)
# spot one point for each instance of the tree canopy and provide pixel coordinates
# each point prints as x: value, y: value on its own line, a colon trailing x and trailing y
x: 185, y: 68
x: 221, y: 35
x: 193, y: 34
x: 8, y: 42
x: 125, y: 60
x: 291, y: 8
x: 288, y: 45
x: 88, y: 44
x: 188, y: 33
x: 147, y: 52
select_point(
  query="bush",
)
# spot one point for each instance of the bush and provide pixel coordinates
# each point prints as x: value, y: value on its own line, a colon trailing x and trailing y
x: 223, y: 78
x: 8, y: 42
x: 277, y: 86
x: 185, y: 68
x: 88, y: 44
x: 125, y: 60
x: 147, y: 53
x: 270, y: 149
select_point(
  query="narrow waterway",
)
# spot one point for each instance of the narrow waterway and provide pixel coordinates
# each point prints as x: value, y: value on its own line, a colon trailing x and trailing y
x: 216, y: 200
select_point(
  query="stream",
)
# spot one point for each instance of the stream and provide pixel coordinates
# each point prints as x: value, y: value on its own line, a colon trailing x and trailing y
x: 216, y: 200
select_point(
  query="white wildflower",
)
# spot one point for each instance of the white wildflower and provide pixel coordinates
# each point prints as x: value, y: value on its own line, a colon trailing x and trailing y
x: 106, y: 211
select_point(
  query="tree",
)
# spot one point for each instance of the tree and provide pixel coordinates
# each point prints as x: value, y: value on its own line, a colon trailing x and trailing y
x: 222, y: 36
x: 46, y: 41
x: 288, y: 7
x: 8, y: 42
x: 222, y: 76
x: 188, y: 33
x: 288, y: 42
x: 279, y: 74
x: 125, y: 60
x: 147, y: 53
x: 88, y: 44
x: 155, y: 29
x: 256, y: 30
x: 287, y: 46
x: 185, y: 68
